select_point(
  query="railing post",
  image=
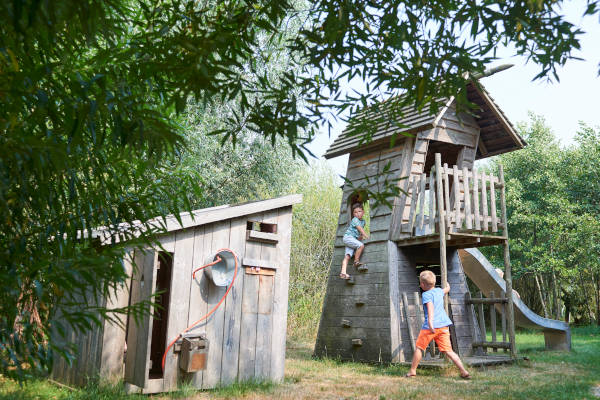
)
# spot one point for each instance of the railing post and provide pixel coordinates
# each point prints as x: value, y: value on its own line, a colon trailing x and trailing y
x: 442, y: 224
x: 507, y: 270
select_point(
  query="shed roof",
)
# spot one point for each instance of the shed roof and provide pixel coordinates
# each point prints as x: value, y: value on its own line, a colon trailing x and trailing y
x: 497, y: 134
x: 204, y: 216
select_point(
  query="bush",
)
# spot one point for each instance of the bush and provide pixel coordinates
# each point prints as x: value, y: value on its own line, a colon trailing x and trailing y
x: 313, y: 235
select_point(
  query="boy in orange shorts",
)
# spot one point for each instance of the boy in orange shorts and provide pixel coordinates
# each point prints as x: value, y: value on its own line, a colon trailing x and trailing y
x: 435, y: 326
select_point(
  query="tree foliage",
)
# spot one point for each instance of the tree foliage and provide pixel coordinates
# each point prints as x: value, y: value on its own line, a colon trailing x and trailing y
x: 554, y: 222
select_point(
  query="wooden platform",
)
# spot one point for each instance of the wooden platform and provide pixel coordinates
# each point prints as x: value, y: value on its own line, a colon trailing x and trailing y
x: 473, y: 361
x: 458, y: 240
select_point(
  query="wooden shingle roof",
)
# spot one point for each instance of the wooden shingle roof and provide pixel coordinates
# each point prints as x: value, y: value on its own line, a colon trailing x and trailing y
x: 497, y: 134
x: 187, y: 220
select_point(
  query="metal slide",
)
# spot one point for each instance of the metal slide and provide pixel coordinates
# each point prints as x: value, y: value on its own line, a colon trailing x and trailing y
x: 557, y: 334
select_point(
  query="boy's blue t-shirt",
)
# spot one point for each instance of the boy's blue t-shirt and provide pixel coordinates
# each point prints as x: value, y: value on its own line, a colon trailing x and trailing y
x: 352, y: 231
x: 440, y: 318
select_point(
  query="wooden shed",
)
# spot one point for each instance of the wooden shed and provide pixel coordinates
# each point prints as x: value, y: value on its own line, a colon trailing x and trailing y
x: 374, y: 316
x: 244, y: 339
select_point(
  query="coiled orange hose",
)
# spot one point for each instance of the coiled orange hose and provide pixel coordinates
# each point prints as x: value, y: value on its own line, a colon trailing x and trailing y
x: 214, y: 308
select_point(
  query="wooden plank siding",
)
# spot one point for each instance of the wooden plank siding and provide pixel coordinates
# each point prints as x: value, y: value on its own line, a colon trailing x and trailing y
x: 198, y: 292
x: 233, y: 306
x: 369, y: 323
x: 246, y: 334
x: 280, y: 295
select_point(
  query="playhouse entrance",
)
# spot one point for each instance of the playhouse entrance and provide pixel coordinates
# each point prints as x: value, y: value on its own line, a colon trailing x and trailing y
x: 161, y: 315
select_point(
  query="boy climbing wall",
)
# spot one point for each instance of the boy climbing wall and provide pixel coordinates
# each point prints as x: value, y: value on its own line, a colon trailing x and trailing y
x: 352, y: 239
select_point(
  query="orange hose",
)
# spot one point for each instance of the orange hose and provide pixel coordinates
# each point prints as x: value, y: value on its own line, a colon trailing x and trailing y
x: 214, y: 308
x: 218, y: 260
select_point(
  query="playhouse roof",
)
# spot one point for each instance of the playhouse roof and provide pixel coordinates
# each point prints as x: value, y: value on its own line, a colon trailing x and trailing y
x: 187, y: 220
x: 497, y: 134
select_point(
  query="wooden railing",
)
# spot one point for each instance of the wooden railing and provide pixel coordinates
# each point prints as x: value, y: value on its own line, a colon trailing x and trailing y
x: 468, y: 199
x: 493, y: 304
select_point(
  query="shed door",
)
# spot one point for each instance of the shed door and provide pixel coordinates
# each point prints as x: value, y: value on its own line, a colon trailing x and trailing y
x: 139, y: 335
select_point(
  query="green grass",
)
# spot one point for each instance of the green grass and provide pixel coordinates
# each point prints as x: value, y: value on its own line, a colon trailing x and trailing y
x: 544, y: 375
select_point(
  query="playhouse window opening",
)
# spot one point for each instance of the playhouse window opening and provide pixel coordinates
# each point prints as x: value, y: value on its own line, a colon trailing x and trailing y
x: 435, y: 268
x: 362, y: 198
x: 160, y: 317
x: 261, y: 227
x: 449, y: 153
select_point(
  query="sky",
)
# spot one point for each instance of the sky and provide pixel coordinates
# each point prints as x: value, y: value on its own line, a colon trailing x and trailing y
x: 575, y: 98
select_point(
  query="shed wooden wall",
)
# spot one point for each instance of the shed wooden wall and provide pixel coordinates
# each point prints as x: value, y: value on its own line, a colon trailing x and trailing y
x: 246, y: 334
x: 99, y: 351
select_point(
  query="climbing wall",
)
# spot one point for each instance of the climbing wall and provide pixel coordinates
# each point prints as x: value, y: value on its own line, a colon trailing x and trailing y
x: 355, y: 322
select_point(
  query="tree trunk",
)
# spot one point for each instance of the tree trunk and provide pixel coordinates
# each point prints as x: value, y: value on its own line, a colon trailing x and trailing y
x: 537, y: 282
x: 556, y: 299
x: 587, y: 303
x: 598, y: 298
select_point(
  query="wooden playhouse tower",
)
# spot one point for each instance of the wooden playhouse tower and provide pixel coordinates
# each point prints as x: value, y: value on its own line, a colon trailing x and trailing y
x: 450, y: 206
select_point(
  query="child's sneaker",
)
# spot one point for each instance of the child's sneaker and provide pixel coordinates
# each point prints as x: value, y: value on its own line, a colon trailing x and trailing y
x: 360, y: 267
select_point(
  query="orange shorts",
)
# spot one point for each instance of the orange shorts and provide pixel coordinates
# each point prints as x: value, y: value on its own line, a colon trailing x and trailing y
x: 441, y: 337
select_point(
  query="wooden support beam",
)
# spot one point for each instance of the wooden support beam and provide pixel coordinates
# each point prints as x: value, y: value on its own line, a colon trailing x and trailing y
x: 493, y: 320
x: 507, y: 272
x: 493, y: 345
x: 411, y: 334
x: 489, y: 300
x: 481, y: 323
x: 442, y: 225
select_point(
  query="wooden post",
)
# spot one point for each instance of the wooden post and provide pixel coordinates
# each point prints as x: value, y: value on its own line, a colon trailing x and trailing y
x: 457, y: 216
x: 507, y: 271
x: 502, y: 296
x: 482, y: 323
x: 442, y: 224
x: 421, y: 215
x: 411, y: 334
x: 431, y: 203
x: 493, y: 319
x: 468, y: 221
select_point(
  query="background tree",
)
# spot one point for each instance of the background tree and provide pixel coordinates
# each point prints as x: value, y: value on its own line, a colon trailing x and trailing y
x: 553, y: 234
x: 313, y: 236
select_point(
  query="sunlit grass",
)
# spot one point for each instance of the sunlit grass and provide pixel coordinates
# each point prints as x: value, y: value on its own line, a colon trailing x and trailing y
x: 544, y: 375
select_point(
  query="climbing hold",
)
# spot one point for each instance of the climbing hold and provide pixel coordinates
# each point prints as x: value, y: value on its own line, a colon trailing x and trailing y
x: 360, y: 303
x: 346, y: 323
x: 357, y: 342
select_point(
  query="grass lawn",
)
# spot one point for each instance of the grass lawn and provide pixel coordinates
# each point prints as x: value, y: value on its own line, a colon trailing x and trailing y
x: 546, y: 375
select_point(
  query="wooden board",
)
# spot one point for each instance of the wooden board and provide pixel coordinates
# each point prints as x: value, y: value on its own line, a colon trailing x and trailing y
x: 199, y: 292
x: 111, y: 364
x: 264, y: 322
x: 247, y: 356
x: 179, y: 301
x: 139, y: 336
x: 233, y: 307
x: 215, y: 323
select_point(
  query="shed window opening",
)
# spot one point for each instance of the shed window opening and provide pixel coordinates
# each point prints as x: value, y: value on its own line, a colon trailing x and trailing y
x: 261, y: 227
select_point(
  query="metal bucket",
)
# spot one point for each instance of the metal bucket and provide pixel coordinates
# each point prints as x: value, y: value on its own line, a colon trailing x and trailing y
x: 222, y: 272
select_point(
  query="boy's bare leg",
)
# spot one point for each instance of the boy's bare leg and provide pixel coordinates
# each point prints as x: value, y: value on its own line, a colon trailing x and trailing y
x: 345, y: 264
x: 358, y: 253
x: 415, y: 362
x: 456, y: 360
